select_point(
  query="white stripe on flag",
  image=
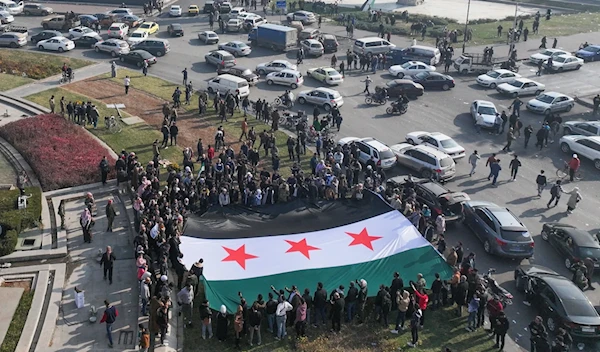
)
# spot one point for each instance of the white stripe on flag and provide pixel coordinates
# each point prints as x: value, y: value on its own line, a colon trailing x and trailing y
x: 236, y: 259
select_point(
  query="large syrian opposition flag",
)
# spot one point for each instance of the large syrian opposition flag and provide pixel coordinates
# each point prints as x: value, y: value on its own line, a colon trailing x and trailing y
x: 249, y: 250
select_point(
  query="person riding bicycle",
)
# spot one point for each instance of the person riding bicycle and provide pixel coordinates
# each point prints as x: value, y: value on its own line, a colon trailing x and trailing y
x: 69, y: 73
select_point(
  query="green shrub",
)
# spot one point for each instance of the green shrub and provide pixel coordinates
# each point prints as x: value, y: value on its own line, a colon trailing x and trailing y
x: 20, y: 220
x: 8, y: 242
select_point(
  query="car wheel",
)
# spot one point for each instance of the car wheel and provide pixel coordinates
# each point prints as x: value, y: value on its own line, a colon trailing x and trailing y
x: 538, y: 92
x: 493, y: 85
x: 597, y: 164
x: 410, y: 141
x: 544, y: 235
x: 464, y: 71
x: 560, y: 69
x: 159, y: 53
x: 301, y: 100
x: 327, y: 107
x: 60, y: 50
x: 261, y: 72
x: 514, y: 95
x: 487, y: 247
x: 578, y: 67
x: 294, y: 86
x: 569, y: 108
x: 445, y: 87
x: 113, y: 54
x: 41, y: 47
x: 235, y: 54
x: 210, y: 90
x: 400, y: 75
x: 568, y: 263
x: 45, y: 26
x: 122, y: 59
x: 547, y: 112
x: 27, y: 13
x: 426, y: 173
x: 139, y: 64
x: 565, y: 148
x: 551, y: 324
x: 13, y: 45
x: 97, y: 49
x: 270, y: 82
x: 45, y: 13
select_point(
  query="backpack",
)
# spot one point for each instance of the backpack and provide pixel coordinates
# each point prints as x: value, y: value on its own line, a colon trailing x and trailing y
x: 555, y: 190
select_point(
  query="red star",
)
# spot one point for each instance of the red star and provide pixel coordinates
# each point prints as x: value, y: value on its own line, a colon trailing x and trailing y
x: 363, y: 238
x: 301, y: 247
x: 238, y: 255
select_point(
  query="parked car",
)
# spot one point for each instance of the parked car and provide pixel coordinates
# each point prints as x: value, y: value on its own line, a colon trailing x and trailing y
x: 330, y: 43
x: 132, y: 21
x: 326, y: 75
x: 236, y: 48
x: 138, y: 57
x: 438, y: 141
x: 88, y: 20
x: 236, y: 11
x: 274, y: 66
x: 305, y: 17
x: 286, y: 77
x: 208, y: 37
x: 483, y: 113
x: 136, y: 37
x: 410, y: 68
x: 193, y: 10
x: 585, y: 146
x: 323, y: 97
x: 550, y: 102
x: 312, y: 47
x: 493, y: 78
x: 545, y: 55
x: 559, y: 302
x: 370, y: 148
x: 589, y: 53
x: 59, y: 44
x: 115, y: 47
x: 589, y: 128
x: 241, y: 72
x: 154, y: 46
x: 220, y: 58
x: 500, y: 231
x: 399, y: 87
x: 433, y: 80
x: 436, y: 196
x: 175, y: 30
x: 149, y: 27
x: 37, y: 10
x: 121, y: 11
x: 43, y: 35
x: 175, y: 11
x: 427, y: 161
x: 13, y: 40
x: 521, y: 86
x: 572, y: 244
x: 225, y: 7
x: 77, y: 32
x: 234, y: 25
x: 309, y: 33
x: 87, y: 41
x: 60, y: 22
x: 564, y: 63
x: 118, y: 30
x: 6, y: 18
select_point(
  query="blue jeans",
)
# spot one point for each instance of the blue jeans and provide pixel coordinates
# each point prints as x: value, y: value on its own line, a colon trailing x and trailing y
x: 351, y: 310
x: 281, y: 333
x: 109, y: 333
x: 472, y: 319
x: 271, y: 322
x: 495, y: 178
x: 144, y: 306
x: 320, y: 312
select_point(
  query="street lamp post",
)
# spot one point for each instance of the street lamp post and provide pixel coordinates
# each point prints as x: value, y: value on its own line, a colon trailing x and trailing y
x: 466, y: 27
x: 512, y: 37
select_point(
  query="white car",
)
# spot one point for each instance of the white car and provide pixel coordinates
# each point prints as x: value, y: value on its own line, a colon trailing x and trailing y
x: 305, y: 17
x: 410, y: 68
x: 493, y: 78
x: 243, y: 15
x: 427, y: 161
x: 484, y: 113
x: 59, y: 44
x: 175, y: 11
x: 236, y: 11
x: 586, y: 146
x: 137, y: 36
x: 208, y: 37
x: 545, y: 55
x: 115, y: 47
x: 13, y: 7
x: 236, y: 48
x: 312, y: 47
x: 286, y: 77
x: 370, y: 148
x: 326, y: 75
x: 323, y: 97
x: 521, y: 86
x: 77, y: 32
x: 438, y: 141
x: 274, y: 66
x: 6, y: 17
x: 565, y: 62
x: 550, y: 102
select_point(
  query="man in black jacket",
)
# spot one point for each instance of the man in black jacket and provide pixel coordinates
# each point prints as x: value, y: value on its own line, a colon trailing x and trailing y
x: 271, y: 308
x: 461, y: 295
x: 436, y: 288
x: 255, y: 318
x: 538, y: 333
x: 501, y: 328
x: 397, y: 284
x: 337, y: 310
x: 351, y: 301
x: 107, y: 261
x: 309, y: 304
x: 320, y: 302
x: 173, y: 131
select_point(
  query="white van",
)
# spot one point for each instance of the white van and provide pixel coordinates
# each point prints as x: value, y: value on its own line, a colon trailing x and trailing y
x: 228, y: 83
x: 373, y: 45
x: 12, y: 7
x: 430, y: 53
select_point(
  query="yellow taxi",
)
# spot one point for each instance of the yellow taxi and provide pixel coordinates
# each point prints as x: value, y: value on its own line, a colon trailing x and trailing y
x: 149, y: 27
x: 193, y: 10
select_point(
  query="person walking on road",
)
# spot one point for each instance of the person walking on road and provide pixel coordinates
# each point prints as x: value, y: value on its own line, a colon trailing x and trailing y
x: 473, y: 160
x: 495, y: 169
x: 554, y: 43
x: 514, y: 165
x: 127, y: 83
x: 104, y: 169
x: 109, y: 317
x: 368, y: 82
x: 555, y: 193
x: 490, y: 160
x: 597, y: 104
x: 500, y: 329
x: 111, y: 213
x: 574, y: 165
x: 574, y: 198
x: 516, y: 107
x: 185, y: 76
x: 510, y: 137
x: 107, y: 262
x: 527, y: 133
x: 543, y: 43
x: 541, y: 181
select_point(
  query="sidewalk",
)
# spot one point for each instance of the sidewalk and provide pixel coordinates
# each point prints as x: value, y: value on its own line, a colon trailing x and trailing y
x: 52, y: 82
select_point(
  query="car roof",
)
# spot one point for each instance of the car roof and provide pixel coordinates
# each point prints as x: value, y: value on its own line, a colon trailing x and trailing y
x: 504, y: 216
x: 375, y: 144
x: 427, y: 149
x: 525, y: 80
x: 581, y: 237
x: 279, y: 61
x: 114, y: 40
x: 222, y: 52
x: 438, y: 135
x: 288, y: 70
x: 555, y: 94
x: 312, y: 41
x: 176, y: 25
x: 402, y: 81
x: 139, y: 31
x: 208, y: 32
x: 326, y: 90
x: 328, y: 36
x: 593, y: 123
x: 565, y: 289
x: 485, y: 103
x: 501, y: 70
x: 235, y: 42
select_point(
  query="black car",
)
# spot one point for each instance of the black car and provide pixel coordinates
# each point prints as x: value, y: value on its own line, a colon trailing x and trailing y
x: 138, y: 57
x: 175, y: 30
x: 86, y: 41
x: 43, y: 35
x: 158, y: 47
x: 242, y: 72
x: 433, y: 80
x: 330, y: 43
x: 437, y: 197
x: 572, y: 244
x: 558, y: 301
x: 398, y: 87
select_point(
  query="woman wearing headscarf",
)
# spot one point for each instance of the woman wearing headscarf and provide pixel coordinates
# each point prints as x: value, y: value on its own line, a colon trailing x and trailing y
x: 574, y: 198
x: 222, y: 323
x: 86, y: 224
x: 238, y: 325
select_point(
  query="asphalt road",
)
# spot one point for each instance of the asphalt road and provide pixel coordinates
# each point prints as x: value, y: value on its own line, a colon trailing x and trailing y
x: 446, y: 112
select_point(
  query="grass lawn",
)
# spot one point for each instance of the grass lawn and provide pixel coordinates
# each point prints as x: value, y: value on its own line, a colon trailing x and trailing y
x: 164, y: 89
x: 136, y: 138
x: 36, y: 65
x: 18, y: 323
x: 8, y: 81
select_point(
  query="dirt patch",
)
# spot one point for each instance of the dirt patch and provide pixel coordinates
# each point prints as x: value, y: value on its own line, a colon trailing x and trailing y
x: 25, y: 284
x: 149, y: 108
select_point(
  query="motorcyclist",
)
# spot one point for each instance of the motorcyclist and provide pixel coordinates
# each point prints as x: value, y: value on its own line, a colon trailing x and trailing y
x: 579, y: 274
x: 286, y: 97
x: 401, y: 102
x: 382, y: 94
x: 69, y: 73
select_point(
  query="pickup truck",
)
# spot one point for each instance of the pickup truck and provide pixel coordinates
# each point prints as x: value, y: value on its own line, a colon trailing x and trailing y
x: 60, y: 22
x: 475, y: 63
x: 273, y: 36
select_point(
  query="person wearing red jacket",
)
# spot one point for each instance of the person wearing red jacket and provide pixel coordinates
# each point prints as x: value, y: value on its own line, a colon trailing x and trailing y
x: 110, y: 315
x: 423, y: 300
x: 574, y: 166
x: 494, y: 308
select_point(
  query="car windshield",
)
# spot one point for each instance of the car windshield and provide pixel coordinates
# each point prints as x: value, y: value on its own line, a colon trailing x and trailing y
x: 406, y: 65
x: 247, y: 72
x: 590, y: 49
x: 446, y: 162
x: 386, y: 154
x: 145, y: 25
x: 486, y: 110
x: 123, y: 45
x: 516, y: 236
x: 212, y: 35
x: 589, y: 252
x: 422, y: 75
x: 332, y: 72
x: 448, y: 143
x: 560, y: 59
x: 545, y: 99
x: 241, y: 45
x: 516, y: 84
x: 547, y: 53
x: 493, y: 74
x: 137, y: 35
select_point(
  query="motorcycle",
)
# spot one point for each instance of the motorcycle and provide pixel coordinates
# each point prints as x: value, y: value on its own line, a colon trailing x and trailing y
x: 491, y: 285
x: 289, y: 120
x: 399, y: 109
x: 282, y: 101
x: 381, y: 100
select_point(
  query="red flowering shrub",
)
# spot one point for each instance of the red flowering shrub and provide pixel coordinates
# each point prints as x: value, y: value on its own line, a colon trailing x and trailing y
x: 61, y: 153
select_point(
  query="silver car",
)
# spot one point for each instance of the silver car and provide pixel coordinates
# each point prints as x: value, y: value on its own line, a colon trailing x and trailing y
x: 274, y: 66
x: 589, y: 128
x: 13, y: 40
x: 37, y: 10
x: 312, y: 47
x: 220, y: 58
x: 236, y: 48
x: 115, y: 47
x: 208, y: 37
x: 427, y: 161
x: 323, y: 97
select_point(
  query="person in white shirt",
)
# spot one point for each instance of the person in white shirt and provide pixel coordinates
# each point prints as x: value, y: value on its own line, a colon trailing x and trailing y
x: 281, y: 316
x: 224, y: 199
x: 127, y: 82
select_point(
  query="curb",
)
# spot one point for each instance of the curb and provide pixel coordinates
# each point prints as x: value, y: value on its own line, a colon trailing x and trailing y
x: 584, y: 102
x: 22, y: 104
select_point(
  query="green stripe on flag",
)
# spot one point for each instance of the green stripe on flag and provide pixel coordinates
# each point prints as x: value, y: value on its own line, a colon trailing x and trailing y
x: 424, y: 260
